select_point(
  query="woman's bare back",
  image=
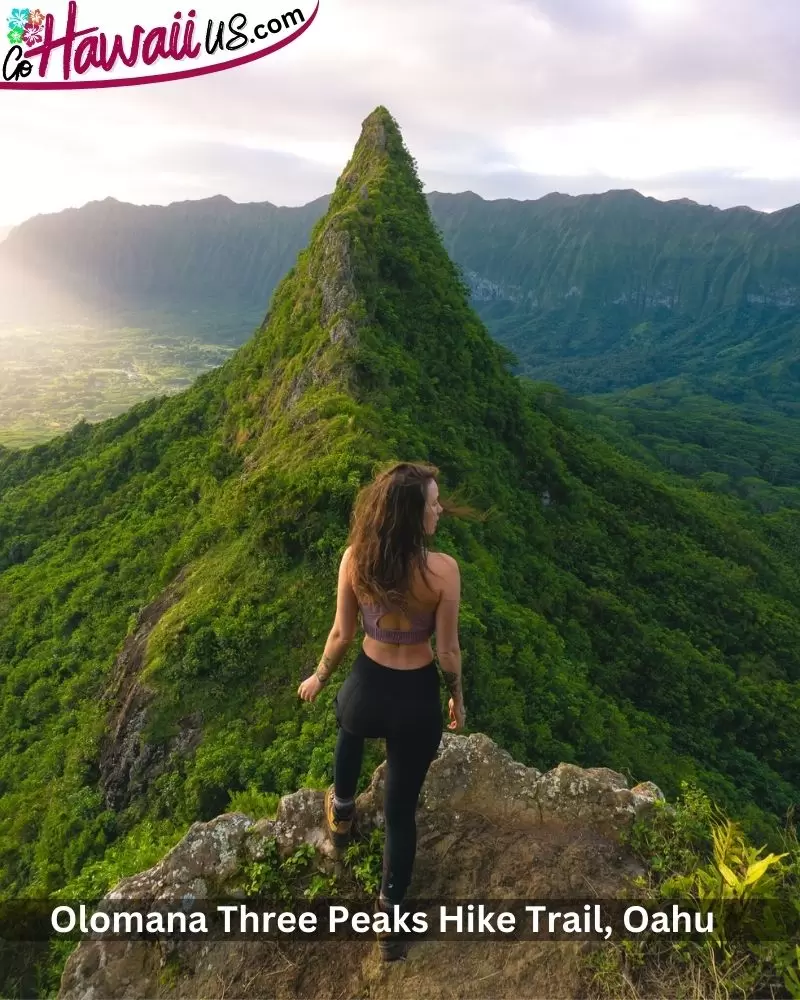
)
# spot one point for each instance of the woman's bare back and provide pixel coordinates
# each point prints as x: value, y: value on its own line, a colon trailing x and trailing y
x: 423, y: 599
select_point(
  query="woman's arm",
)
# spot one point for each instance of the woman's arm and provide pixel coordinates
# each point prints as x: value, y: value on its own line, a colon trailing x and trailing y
x: 339, y: 637
x: 448, y: 649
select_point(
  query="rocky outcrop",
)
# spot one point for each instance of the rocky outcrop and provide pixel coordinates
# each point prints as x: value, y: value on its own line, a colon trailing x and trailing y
x: 331, y: 274
x: 128, y: 763
x: 336, y: 283
x: 488, y: 827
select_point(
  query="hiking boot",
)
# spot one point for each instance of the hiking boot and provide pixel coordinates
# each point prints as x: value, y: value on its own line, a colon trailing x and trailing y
x: 392, y: 947
x: 340, y: 830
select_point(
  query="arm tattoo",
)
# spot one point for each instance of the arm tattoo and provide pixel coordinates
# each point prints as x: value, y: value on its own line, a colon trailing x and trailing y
x: 324, y: 669
x: 453, y: 682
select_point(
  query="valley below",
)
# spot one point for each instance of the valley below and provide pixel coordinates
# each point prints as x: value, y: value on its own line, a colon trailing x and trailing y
x: 54, y: 375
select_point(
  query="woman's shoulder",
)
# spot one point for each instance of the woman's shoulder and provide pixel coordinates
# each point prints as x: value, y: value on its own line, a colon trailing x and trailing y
x: 441, y: 561
x: 346, y: 562
x: 441, y: 572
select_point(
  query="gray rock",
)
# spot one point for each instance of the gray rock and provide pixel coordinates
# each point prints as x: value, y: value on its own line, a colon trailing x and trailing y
x: 128, y: 763
x: 472, y: 781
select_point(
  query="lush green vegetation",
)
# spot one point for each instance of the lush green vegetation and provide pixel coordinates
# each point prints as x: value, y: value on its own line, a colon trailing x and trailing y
x: 596, y: 293
x: 612, y: 615
x: 695, y: 855
x: 745, y: 449
x: 603, y: 292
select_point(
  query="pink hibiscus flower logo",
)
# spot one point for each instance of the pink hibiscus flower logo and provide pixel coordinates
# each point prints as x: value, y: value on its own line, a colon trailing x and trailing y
x: 32, y: 34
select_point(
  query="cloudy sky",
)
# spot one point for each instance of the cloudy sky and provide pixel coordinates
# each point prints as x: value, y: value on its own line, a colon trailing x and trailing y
x: 508, y: 98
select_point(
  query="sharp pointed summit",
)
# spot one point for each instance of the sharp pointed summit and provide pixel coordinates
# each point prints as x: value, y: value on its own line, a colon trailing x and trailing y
x: 380, y: 149
x: 374, y: 309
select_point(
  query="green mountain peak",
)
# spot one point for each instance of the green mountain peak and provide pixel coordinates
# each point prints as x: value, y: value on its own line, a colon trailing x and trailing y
x: 373, y: 311
x: 380, y: 149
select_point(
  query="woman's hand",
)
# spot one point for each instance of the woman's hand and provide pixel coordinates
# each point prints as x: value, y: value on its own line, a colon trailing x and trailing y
x: 458, y: 714
x: 310, y: 688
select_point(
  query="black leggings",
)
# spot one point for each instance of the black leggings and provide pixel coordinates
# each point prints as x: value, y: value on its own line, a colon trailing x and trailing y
x: 402, y: 707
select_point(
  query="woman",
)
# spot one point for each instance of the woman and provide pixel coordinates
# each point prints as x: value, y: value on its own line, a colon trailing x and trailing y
x: 404, y: 593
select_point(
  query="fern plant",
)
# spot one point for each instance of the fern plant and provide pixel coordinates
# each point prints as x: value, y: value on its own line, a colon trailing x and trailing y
x: 735, y: 875
x: 277, y: 878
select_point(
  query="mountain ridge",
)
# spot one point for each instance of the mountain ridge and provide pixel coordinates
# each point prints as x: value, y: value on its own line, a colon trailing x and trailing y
x: 467, y: 192
x: 594, y: 292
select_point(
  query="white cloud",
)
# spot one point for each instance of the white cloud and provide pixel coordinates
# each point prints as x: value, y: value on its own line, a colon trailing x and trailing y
x: 633, y: 147
x: 611, y: 93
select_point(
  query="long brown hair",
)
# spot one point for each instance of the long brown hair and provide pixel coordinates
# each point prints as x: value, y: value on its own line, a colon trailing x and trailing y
x: 387, y: 532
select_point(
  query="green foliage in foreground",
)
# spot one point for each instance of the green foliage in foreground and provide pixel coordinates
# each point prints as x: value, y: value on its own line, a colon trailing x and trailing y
x: 697, y: 856
x: 610, y: 617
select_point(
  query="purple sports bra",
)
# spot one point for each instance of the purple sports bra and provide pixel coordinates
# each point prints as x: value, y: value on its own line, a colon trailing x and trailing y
x: 423, y: 625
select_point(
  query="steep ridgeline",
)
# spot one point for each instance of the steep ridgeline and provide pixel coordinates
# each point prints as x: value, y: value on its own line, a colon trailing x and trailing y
x: 167, y: 577
x: 596, y: 292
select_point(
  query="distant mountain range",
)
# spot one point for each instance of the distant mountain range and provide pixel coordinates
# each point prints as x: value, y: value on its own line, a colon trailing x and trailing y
x: 110, y: 258
x: 595, y: 292
x: 602, y: 292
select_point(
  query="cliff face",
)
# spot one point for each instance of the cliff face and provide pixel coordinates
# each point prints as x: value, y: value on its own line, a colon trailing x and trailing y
x: 488, y: 827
